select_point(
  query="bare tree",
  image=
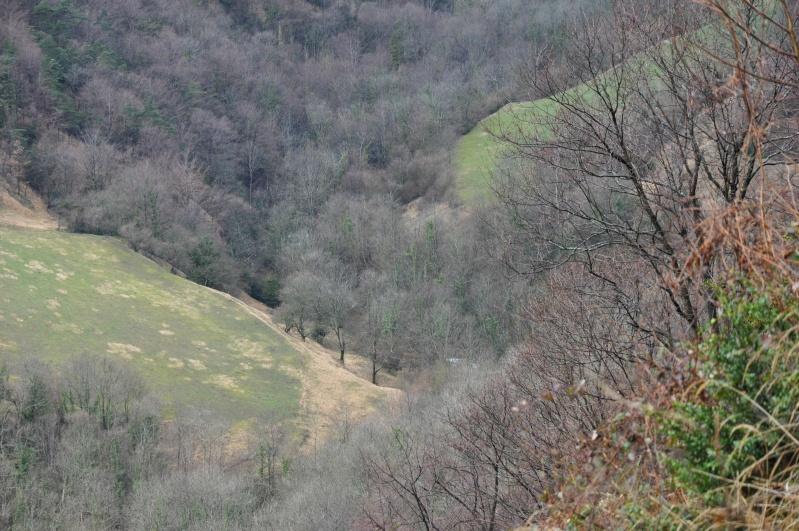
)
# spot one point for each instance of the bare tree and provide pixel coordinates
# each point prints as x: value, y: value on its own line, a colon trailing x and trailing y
x: 98, y: 161
x: 13, y: 163
x: 101, y: 386
x: 632, y: 158
x: 298, y: 294
x: 270, y: 449
x: 343, y: 421
x: 258, y: 146
x: 31, y: 393
x: 382, y: 325
x: 211, y: 138
x: 402, y: 482
x: 334, y: 301
x: 313, y: 175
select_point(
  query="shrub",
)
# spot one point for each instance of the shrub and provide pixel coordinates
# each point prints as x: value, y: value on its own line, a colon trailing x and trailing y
x: 712, y: 441
x: 737, y: 420
x: 318, y: 334
x: 267, y: 290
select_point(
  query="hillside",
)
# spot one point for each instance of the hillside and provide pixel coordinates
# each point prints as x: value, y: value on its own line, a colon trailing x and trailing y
x: 479, y: 153
x: 482, y: 151
x: 256, y: 145
x: 589, y: 300
x: 65, y: 294
x: 24, y: 211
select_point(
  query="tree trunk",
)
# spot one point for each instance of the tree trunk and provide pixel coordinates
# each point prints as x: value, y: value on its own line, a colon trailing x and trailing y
x: 342, y: 345
x: 375, y: 369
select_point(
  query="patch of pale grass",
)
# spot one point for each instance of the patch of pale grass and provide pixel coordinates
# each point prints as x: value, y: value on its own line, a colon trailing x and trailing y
x: 197, y: 365
x: 66, y: 327
x: 224, y: 381
x: 123, y: 350
x: 252, y: 351
x: 35, y: 265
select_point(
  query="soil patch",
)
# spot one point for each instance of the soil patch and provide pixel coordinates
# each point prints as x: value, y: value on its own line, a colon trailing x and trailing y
x: 31, y: 215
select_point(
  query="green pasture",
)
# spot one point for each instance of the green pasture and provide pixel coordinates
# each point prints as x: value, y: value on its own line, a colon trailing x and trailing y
x: 64, y: 294
x: 480, y: 154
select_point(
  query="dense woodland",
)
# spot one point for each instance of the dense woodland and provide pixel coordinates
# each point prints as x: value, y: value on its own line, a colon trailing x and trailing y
x: 268, y: 147
x: 623, y: 310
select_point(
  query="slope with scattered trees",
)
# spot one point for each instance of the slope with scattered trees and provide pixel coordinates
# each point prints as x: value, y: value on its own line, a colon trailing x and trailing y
x: 227, y: 138
x: 635, y: 274
x: 64, y: 295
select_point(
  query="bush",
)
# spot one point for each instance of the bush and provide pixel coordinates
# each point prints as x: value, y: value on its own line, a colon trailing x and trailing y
x: 210, y: 265
x: 738, y: 421
x: 318, y: 334
x: 267, y: 290
x: 713, y: 440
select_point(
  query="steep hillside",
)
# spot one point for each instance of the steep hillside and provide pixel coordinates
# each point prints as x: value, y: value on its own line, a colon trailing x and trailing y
x: 250, y: 144
x: 63, y: 294
x: 23, y: 210
x: 481, y: 152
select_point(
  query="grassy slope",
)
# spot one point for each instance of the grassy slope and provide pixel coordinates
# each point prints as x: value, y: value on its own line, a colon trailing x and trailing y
x: 62, y: 294
x: 479, y: 154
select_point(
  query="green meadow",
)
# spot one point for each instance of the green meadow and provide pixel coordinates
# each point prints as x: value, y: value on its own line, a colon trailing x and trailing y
x: 480, y: 154
x: 64, y: 294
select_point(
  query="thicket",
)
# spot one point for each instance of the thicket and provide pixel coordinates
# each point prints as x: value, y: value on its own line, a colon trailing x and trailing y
x: 84, y: 446
x: 711, y: 441
x: 654, y: 211
x: 706, y: 436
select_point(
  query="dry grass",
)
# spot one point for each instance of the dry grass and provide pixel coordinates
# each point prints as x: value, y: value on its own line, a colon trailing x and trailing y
x: 327, y: 385
x: 14, y: 214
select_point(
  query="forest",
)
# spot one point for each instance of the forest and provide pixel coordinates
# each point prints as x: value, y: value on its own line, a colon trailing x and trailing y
x: 265, y: 148
x: 607, y: 341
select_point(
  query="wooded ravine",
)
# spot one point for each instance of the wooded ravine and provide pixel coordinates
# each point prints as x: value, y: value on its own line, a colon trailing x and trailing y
x: 446, y: 264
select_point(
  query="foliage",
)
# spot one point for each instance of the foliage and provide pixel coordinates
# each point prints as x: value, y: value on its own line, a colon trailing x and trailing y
x: 207, y: 265
x: 267, y: 290
x: 750, y: 392
x: 712, y: 439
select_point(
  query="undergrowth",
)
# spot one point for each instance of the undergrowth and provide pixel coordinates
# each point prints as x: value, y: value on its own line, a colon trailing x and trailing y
x: 713, y: 440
